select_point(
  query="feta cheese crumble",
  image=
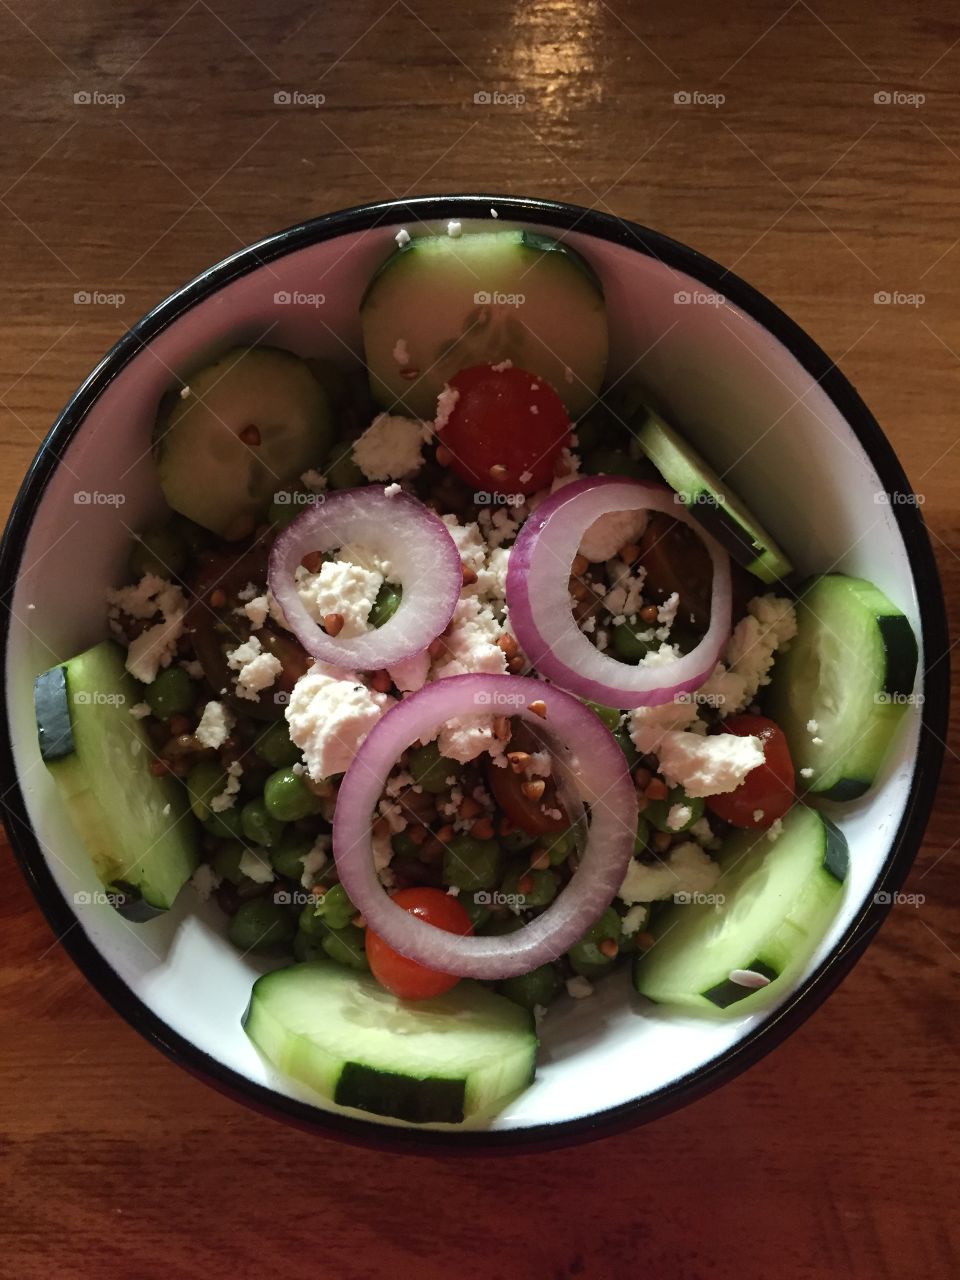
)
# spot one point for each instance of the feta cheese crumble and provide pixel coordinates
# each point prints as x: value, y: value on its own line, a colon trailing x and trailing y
x: 610, y: 532
x: 156, y: 646
x: 391, y: 448
x: 330, y: 714
x: 216, y: 725
x: 255, y: 669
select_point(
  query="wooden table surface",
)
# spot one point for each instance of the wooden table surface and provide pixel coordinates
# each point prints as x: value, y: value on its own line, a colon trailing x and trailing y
x: 823, y: 179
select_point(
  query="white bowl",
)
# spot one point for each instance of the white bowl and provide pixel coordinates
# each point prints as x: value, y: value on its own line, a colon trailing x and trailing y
x: 745, y: 383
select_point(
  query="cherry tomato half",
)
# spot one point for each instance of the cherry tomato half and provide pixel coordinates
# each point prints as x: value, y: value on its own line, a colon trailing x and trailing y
x: 406, y: 978
x: 506, y: 430
x: 769, y: 788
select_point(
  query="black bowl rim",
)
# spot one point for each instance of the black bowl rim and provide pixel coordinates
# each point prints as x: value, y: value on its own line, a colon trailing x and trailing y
x: 772, y: 1030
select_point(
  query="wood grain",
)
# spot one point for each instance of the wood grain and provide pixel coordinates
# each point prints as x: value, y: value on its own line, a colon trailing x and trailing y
x: 837, y: 1155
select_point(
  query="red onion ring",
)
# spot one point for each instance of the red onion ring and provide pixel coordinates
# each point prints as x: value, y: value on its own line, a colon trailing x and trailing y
x: 397, y: 528
x: 604, y: 782
x: 539, y: 600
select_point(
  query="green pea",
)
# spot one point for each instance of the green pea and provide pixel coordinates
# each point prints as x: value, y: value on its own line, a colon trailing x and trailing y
x: 386, y: 604
x: 261, y: 925
x: 336, y: 908
x: 472, y: 864
x: 613, y: 462
x: 160, y: 551
x: 226, y: 824
x: 346, y: 947
x: 287, y: 797
x: 171, y: 693
x: 342, y: 470
x: 609, y: 716
x: 258, y: 825
x: 313, y: 925
x: 626, y: 745
x: 478, y: 912
x: 541, y: 891
x: 560, y: 846
x: 403, y: 846
x: 204, y: 781
x: 539, y: 987
x: 517, y: 841
x: 658, y: 811
x: 642, y: 838
x: 275, y: 748
x: 585, y: 956
x: 286, y: 858
x: 226, y: 861
x: 306, y: 948
x: 627, y: 644
x: 430, y: 769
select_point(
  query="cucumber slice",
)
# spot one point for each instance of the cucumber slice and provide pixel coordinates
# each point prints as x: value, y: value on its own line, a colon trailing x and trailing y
x: 454, y: 302
x: 426, y: 1061
x: 710, y: 500
x: 207, y: 470
x: 135, y: 827
x: 850, y: 670
x: 774, y: 902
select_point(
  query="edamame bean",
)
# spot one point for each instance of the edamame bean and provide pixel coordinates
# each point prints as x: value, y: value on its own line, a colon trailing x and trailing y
x: 275, y: 747
x: 586, y: 957
x: 627, y: 644
x: 204, y: 781
x: 261, y: 925
x: 171, y: 693
x: 657, y: 812
x: 431, y: 770
x: 226, y: 824
x: 472, y: 864
x: 287, y: 797
x: 386, y: 604
x: 346, y: 947
x: 516, y: 841
x: 560, y: 846
x: 539, y: 987
x: 226, y: 861
x: 259, y: 826
x: 287, y: 857
x: 539, y: 888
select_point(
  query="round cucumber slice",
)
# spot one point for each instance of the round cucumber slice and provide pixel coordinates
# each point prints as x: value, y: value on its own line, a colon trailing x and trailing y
x: 243, y: 428
x: 710, y: 500
x: 770, y: 907
x: 844, y: 684
x: 443, y: 303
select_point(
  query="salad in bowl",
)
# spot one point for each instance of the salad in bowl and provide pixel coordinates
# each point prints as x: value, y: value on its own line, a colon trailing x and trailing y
x: 465, y: 686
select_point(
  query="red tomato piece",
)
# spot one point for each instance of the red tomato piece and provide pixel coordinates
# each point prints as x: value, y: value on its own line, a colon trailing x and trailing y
x: 404, y: 977
x: 506, y: 429
x: 769, y: 788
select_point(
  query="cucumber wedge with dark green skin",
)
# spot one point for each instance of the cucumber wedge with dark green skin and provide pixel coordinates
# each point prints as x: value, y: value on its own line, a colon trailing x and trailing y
x: 761, y: 924
x: 841, y: 689
x: 436, y: 1061
x: 710, y: 500
x: 442, y: 303
x: 136, y: 828
x: 242, y: 429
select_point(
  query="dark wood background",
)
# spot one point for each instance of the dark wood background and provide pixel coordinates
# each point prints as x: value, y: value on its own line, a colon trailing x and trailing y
x: 837, y: 1155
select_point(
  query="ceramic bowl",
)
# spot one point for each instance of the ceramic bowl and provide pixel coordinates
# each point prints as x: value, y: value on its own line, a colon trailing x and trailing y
x: 749, y: 387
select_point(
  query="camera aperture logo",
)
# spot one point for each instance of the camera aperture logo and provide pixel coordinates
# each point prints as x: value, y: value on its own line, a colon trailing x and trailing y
x: 297, y: 298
